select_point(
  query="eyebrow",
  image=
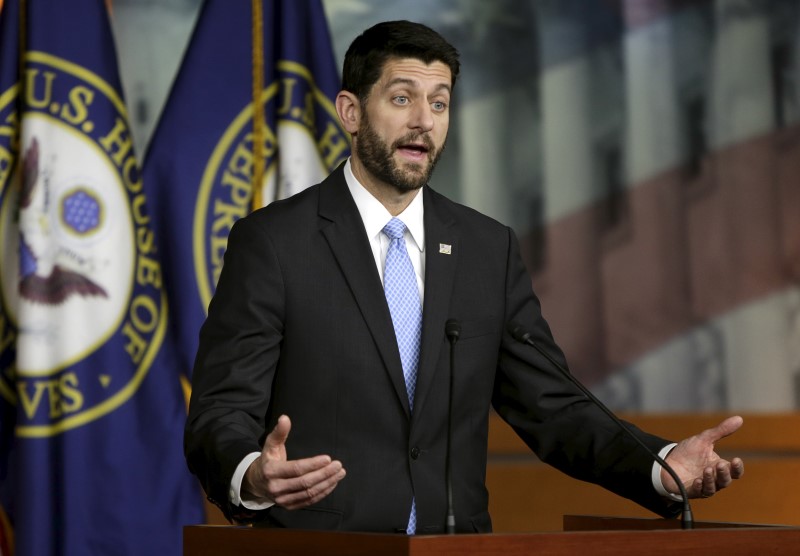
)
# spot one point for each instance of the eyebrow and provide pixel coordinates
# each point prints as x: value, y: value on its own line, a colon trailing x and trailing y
x: 414, y: 83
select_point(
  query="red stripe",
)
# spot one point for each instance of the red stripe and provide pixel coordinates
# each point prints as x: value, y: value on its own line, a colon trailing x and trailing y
x: 689, y: 250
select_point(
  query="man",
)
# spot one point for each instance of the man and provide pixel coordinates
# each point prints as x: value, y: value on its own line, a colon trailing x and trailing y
x: 308, y: 333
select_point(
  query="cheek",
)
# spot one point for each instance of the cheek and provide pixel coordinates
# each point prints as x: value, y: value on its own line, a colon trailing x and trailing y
x: 388, y: 129
x: 441, y: 135
x: 442, y: 125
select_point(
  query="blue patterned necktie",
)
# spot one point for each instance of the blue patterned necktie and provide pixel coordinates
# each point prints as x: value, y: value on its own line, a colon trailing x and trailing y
x: 402, y: 295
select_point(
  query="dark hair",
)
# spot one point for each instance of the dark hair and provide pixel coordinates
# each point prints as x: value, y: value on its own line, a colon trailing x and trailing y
x: 369, y: 52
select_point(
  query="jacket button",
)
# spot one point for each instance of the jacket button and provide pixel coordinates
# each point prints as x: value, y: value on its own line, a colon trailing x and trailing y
x: 415, y: 452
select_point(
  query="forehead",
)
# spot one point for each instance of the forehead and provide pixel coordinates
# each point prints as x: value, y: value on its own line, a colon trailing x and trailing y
x: 415, y: 72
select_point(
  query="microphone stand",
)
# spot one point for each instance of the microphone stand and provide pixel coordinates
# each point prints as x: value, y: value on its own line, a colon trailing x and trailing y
x: 453, y: 331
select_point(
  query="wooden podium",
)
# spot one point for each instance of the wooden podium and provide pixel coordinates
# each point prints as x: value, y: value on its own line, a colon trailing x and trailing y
x: 582, y: 535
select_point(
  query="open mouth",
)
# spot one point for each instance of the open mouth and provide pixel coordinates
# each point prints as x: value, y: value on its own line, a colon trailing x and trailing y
x: 416, y: 151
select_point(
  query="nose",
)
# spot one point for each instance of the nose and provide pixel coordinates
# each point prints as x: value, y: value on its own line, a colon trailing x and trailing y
x: 422, y: 117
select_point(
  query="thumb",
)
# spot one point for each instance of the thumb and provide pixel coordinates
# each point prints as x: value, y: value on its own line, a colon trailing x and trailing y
x: 274, y: 445
x: 725, y: 428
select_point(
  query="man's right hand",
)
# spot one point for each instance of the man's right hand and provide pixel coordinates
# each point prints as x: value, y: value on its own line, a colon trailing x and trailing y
x: 289, y: 484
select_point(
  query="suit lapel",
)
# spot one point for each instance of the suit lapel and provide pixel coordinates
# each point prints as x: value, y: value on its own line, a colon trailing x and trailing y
x: 441, y: 256
x: 343, y: 228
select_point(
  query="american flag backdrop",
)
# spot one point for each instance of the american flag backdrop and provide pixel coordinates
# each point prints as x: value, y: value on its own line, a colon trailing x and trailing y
x: 647, y: 154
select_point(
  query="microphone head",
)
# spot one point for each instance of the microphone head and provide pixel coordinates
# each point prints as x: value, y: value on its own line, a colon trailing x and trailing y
x: 518, y: 332
x: 452, y: 329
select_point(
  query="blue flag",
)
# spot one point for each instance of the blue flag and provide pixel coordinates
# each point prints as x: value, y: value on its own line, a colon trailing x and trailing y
x: 199, y: 167
x: 90, y: 396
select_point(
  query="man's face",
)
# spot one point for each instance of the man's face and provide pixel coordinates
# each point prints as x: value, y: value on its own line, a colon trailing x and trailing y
x: 404, y: 123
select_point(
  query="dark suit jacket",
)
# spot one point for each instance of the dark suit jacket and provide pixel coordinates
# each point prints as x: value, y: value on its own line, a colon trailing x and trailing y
x: 299, y: 325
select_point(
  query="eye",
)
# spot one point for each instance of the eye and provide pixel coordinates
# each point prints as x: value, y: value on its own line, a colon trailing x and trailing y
x: 439, y: 106
x: 400, y: 99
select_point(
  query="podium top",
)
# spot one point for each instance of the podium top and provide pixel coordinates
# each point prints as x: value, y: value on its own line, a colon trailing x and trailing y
x: 204, y: 540
x: 608, y: 523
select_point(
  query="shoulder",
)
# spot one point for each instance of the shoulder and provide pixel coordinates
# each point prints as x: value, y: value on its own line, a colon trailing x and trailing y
x: 305, y: 201
x: 303, y: 207
x: 467, y: 219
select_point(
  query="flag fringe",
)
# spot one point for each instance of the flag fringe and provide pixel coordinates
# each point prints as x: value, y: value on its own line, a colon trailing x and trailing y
x: 258, y: 105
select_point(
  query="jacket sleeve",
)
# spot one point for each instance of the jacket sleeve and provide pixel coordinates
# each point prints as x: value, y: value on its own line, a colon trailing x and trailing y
x: 235, y: 364
x: 554, y: 418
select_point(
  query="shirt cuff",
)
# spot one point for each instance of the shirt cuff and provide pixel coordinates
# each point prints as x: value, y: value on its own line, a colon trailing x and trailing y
x: 656, y: 475
x: 235, y: 492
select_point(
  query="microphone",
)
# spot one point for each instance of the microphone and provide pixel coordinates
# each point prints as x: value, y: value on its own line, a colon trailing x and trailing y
x: 453, y: 330
x: 519, y: 333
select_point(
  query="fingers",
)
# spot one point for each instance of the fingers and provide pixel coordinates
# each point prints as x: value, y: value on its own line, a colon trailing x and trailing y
x: 295, y: 468
x: 275, y: 441
x: 725, y: 428
x: 737, y: 468
x: 704, y: 486
x: 291, y: 490
x: 716, y: 477
x: 726, y: 472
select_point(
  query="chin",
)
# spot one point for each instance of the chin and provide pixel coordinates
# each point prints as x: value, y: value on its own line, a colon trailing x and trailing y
x: 414, y: 179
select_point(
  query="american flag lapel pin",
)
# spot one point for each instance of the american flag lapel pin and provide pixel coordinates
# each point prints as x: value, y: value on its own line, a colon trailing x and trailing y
x: 445, y: 249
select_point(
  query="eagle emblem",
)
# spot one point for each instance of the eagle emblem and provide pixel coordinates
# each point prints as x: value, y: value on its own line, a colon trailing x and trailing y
x: 42, y: 278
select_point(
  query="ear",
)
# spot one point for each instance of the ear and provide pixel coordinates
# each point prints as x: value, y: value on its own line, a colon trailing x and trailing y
x: 349, y: 110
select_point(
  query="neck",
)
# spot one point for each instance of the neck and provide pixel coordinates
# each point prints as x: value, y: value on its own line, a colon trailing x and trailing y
x: 393, y: 199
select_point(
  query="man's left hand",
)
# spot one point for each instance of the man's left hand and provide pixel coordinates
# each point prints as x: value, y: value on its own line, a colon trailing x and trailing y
x: 699, y: 467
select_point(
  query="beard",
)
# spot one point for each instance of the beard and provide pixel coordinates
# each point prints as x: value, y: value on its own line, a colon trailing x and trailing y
x: 376, y: 156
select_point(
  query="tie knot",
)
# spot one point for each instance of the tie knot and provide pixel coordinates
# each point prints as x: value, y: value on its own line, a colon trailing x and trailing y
x: 395, y: 228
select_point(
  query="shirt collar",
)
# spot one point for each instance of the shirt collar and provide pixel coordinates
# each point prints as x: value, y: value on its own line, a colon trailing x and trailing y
x: 375, y: 216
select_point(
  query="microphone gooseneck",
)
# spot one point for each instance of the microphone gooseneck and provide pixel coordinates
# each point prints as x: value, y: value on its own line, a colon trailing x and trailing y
x: 519, y: 333
x: 452, y: 329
